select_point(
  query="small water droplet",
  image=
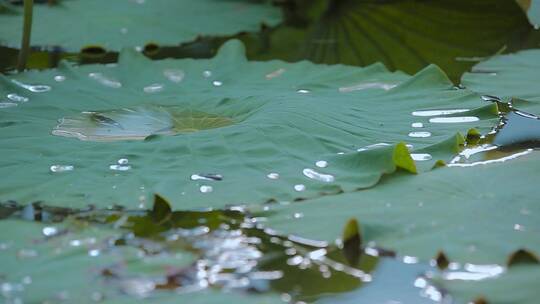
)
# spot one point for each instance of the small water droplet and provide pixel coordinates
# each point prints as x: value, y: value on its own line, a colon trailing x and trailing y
x: 59, y: 78
x: 104, y: 80
x: 123, y: 161
x: 17, y: 98
x: 378, y: 145
x: 419, y: 134
x: 27, y: 280
x: 174, y: 75
x: 519, y: 227
x: 321, y: 164
x: 275, y: 73
x: 61, y: 168
x: 94, y: 252
x: 207, y: 74
x: 217, y: 83
x: 154, y: 88
x: 124, y: 30
x: 417, y: 125
x: 299, y: 187
x: 302, y: 91
x: 207, y: 177
x: 49, y: 231
x: 273, y: 175
x: 36, y: 88
x: 312, y: 174
x: 298, y: 215
x: 206, y: 189
x: 120, y: 167
x: 459, y: 119
x: 424, y: 113
x: 421, y: 156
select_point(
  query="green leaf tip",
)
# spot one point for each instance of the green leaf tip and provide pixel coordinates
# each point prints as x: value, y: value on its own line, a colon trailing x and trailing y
x: 402, y: 158
x: 352, y: 242
x: 521, y: 257
x: 161, y: 211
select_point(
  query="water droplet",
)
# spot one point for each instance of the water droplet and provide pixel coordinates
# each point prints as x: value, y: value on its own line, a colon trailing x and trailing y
x: 124, y: 30
x: 273, y: 175
x: 7, y: 105
x: 298, y: 215
x: 419, y: 134
x: 174, y: 75
x: 207, y: 177
x: 438, y: 112
x: 421, y: 156
x: 120, y: 167
x: 519, y: 227
x: 368, y: 85
x: 310, y: 173
x: 17, y: 98
x: 217, y: 83
x: 378, y: 145
x: 75, y: 243
x: 94, y: 252
x: 104, y: 80
x: 459, y: 119
x: 417, y: 125
x: 59, y: 78
x: 207, y: 74
x: 37, y: 88
x: 154, y: 88
x: 299, y: 187
x: 49, y: 231
x: 321, y: 164
x: 123, y: 161
x: 275, y: 73
x: 206, y: 189
x: 302, y: 91
x: 61, y: 168
x: 27, y: 280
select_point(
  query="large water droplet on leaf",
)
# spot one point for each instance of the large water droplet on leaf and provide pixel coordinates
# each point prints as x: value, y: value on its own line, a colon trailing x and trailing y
x: 137, y: 123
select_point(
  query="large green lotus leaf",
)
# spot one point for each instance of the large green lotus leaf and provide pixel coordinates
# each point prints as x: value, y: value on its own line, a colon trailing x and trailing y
x: 475, y: 214
x: 74, y: 24
x: 513, y: 75
x: 517, y: 285
x: 406, y: 35
x: 220, y: 131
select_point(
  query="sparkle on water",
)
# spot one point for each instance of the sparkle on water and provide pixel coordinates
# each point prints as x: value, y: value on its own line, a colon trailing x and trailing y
x: 427, y: 113
x: 457, y: 119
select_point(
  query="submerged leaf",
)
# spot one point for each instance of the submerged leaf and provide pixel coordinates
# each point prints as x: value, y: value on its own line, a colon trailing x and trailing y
x: 352, y: 242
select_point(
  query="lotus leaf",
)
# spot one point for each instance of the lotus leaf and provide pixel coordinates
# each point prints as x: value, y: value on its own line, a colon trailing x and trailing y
x: 221, y: 131
x: 75, y: 24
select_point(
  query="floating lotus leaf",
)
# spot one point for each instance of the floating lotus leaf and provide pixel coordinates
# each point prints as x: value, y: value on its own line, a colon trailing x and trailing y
x: 479, y: 213
x: 506, y: 76
x: 222, y: 131
x: 405, y: 35
x: 117, y: 24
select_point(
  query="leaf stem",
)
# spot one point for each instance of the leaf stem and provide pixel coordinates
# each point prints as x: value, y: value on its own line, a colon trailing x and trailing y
x: 27, y: 31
